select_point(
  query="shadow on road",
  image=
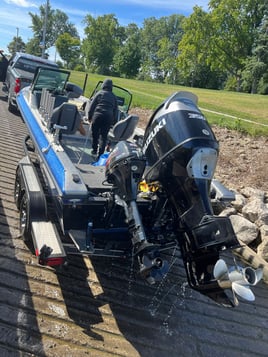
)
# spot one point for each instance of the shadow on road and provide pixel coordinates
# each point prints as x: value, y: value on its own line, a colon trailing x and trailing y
x: 18, y: 323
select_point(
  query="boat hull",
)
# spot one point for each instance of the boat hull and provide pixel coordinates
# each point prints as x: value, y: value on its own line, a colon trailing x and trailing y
x: 65, y: 176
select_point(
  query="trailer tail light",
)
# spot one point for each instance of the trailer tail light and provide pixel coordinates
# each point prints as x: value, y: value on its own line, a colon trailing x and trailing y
x: 17, y: 85
x: 56, y: 261
x: 46, y: 258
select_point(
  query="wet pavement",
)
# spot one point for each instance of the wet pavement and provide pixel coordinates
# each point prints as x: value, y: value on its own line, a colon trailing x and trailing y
x: 101, y: 307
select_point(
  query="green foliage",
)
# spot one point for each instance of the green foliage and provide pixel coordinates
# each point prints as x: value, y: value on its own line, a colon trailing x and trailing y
x: 127, y: 59
x: 56, y: 22
x: 230, y: 83
x: 102, y: 40
x: 33, y: 46
x: 193, y: 47
x: 160, y: 39
x: 169, y: 69
x: 79, y: 67
x: 16, y: 45
x: 253, y: 71
x: 256, y: 66
x: 224, y: 39
x: 263, y: 84
x: 68, y: 48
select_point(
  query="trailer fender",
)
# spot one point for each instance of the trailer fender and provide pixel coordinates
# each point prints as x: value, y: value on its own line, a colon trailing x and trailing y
x: 28, y: 190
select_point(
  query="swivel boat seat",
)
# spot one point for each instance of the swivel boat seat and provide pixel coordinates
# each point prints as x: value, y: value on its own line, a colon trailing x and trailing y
x: 67, y: 117
x: 124, y: 128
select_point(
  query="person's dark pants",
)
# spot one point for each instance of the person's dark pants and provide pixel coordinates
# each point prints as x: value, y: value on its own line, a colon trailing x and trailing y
x: 100, y: 129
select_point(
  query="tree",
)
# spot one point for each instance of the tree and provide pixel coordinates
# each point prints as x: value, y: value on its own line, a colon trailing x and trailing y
x: 33, y: 47
x: 56, y: 22
x: 222, y: 42
x: 193, y: 45
x: 103, y: 38
x: 168, y: 48
x: 16, y: 45
x: 168, y: 61
x: 128, y: 57
x: 158, y: 36
x: 68, y: 48
x: 233, y: 28
x: 254, y: 76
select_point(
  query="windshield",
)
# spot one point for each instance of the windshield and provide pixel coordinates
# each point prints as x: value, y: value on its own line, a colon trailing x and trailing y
x: 52, y: 79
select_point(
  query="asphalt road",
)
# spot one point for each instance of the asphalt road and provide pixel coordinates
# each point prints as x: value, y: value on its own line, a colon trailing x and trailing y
x: 100, y: 307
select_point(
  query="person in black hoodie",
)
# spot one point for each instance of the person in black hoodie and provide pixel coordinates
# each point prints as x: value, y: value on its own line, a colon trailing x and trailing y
x: 103, y: 112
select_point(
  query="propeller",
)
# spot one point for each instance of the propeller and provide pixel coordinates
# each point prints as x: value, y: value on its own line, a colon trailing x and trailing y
x: 237, y: 279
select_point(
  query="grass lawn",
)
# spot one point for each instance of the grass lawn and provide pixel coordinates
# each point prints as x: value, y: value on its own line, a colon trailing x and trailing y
x: 240, y: 111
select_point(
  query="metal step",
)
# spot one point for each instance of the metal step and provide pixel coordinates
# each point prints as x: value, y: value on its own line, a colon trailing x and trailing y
x: 83, y: 243
x: 47, y: 243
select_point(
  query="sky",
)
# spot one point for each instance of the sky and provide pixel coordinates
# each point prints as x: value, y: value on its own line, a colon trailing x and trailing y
x: 15, y: 19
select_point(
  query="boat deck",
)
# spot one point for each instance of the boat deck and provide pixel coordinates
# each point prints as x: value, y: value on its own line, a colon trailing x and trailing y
x: 78, y: 149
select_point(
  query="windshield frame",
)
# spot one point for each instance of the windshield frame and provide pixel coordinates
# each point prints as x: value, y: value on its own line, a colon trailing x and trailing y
x: 124, y: 97
x: 54, y: 80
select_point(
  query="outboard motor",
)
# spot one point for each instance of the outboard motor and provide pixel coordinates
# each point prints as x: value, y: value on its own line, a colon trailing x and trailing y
x: 124, y: 169
x: 182, y: 152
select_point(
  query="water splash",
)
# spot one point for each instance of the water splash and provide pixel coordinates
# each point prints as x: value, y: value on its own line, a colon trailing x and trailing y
x: 166, y: 329
x: 155, y: 302
x: 181, y: 295
x: 131, y: 275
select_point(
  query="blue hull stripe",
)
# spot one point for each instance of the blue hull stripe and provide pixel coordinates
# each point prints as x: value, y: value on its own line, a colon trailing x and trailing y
x: 51, y: 159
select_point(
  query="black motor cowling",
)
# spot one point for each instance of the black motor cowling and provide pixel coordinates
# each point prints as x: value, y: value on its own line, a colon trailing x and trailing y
x: 177, y: 124
x: 124, y: 169
x: 182, y: 152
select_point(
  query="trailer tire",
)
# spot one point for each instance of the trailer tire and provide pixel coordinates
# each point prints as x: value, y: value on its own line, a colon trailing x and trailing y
x: 17, y: 190
x: 25, y: 226
x: 10, y: 106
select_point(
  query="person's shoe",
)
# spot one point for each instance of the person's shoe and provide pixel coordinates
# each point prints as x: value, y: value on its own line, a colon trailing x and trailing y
x: 93, y: 152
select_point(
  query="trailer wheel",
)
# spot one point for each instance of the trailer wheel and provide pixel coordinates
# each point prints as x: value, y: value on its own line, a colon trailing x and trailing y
x: 17, y: 191
x: 25, y: 219
x: 10, y: 106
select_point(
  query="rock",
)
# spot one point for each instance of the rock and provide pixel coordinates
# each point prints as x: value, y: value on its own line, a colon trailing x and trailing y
x: 264, y: 232
x: 229, y: 211
x: 239, y: 202
x: 251, y: 224
x: 254, y: 259
x: 245, y: 230
x: 262, y: 249
x: 253, y: 192
x: 254, y: 208
x: 263, y: 218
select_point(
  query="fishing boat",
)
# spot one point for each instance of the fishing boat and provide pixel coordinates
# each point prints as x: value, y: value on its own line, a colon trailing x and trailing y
x: 154, y: 191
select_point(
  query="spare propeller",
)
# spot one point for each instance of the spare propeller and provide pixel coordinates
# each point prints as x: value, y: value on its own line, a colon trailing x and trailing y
x: 237, y: 279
